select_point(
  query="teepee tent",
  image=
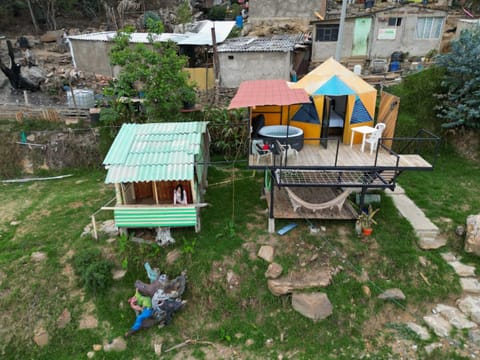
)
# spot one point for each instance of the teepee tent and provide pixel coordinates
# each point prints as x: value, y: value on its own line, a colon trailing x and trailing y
x: 355, y: 98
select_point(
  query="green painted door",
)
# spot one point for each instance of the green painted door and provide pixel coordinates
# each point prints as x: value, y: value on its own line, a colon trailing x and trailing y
x: 360, y: 36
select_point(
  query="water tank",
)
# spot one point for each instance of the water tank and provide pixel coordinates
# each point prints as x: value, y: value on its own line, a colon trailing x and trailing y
x: 395, y: 66
x: 84, y: 98
x: 357, y: 69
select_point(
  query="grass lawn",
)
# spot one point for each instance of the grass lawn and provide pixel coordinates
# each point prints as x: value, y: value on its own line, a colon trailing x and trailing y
x: 239, y: 318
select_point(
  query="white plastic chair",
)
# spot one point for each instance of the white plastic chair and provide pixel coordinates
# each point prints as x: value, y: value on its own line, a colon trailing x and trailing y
x: 373, y: 138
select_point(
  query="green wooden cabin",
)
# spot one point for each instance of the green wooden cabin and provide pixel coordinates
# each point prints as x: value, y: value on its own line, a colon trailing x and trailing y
x: 146, y: 162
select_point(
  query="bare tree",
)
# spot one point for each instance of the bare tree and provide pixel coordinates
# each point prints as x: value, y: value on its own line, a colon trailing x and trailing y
x: 34, y: 20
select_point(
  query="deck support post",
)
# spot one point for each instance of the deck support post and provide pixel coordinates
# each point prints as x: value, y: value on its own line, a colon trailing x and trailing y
x: 362, y: 197
x: 118, y: 194
x: 271, y: 217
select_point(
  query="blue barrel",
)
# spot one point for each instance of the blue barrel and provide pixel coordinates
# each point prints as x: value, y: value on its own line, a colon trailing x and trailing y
x: 395, y: 66
x: 239, y: 21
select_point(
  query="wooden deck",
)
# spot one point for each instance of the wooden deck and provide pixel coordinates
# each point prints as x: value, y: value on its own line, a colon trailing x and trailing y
x: 283, y: 208
x: 317, y: 156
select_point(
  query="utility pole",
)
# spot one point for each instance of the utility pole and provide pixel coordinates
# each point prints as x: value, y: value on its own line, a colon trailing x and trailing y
x: 338, y: 50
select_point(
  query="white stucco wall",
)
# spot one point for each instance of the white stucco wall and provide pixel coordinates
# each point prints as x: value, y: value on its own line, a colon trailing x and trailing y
x: 405, y: 39
x: 253, y: 66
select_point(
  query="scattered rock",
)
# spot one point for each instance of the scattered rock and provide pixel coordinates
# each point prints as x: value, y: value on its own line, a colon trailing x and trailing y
x: 438, y: 324
x: 90, y: 354
x: 64, y: 319
x: 392, y: 294
x: 455, y: 316
x: 51, y: 36
x: 474, y: 336
x: 470, y: 306
x: 269, y: 343
x: 39, y: 256
x: 15, y: 223
x: 249, y: 342
x: 472, y: 239
x: 266, y: 253
x: 429, y: 348
x: 470, y: 284
x: 111, y: 240
x: 97, y: 347
x: 274, y: 271
x: 233, y: 280
x: 108, y: 227
x: 173, y: 256
x: 118, y: 344
x: 158, y: 349
x: 460, y: 230
x: 419, y: 330
x: 366, y: 291
x: 299, y: 281
x: 423, y: 261
x: 315, y: 306
x: 88, y: 322
x: 448, y: 257
x: 40, y: 336
x: 118, y: 274
x: 462, y: 269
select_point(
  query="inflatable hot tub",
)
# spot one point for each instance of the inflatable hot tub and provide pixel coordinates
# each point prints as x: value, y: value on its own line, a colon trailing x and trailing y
x: 279, y: 132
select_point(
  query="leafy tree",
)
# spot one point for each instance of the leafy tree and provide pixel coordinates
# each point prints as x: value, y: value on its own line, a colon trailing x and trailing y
x: 461, y: 103
x: 154, y: 71
x: 184, y: 14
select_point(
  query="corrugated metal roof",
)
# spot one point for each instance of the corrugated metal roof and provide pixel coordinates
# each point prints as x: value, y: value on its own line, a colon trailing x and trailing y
x: 200, y: 34
x: 277, y: 43
x: 156, y: 151
x: 267, y: 92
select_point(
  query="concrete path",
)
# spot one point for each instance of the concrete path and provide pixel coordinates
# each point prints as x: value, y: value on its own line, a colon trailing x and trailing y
x: 427, y: 231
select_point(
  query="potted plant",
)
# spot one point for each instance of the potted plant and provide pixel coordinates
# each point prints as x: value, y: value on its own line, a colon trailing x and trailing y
x: 189, y: 97
x: 366, y: 220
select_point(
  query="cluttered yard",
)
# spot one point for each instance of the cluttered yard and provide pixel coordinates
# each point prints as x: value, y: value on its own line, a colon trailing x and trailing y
x: 53, y: 307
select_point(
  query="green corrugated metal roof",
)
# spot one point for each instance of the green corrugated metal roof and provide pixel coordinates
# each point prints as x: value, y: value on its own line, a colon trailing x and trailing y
x: 154, y: 152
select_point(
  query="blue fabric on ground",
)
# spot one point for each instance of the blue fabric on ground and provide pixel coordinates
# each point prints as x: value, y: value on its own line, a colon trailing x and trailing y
x: 145, y: 314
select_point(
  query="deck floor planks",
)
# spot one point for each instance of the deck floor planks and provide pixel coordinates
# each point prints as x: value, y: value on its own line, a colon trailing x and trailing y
x: 316, y: 155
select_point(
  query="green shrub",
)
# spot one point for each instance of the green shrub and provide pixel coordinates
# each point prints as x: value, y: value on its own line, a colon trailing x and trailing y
x: 93, y: 270
x: 84, y: 259
x: 98, y: 276
x: 217, y: 12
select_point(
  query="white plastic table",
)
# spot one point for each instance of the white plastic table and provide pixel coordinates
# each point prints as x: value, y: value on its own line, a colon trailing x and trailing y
x: 365, y: 130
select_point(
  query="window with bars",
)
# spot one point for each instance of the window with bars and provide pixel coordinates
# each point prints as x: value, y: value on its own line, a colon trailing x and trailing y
x: 429, y: 27
x: 394, y: 21
x: 327, y: 33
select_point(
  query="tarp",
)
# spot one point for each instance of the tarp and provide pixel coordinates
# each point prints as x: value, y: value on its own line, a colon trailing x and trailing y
x: 267, y: 92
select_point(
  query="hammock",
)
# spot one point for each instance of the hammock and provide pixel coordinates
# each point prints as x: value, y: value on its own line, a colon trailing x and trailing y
x: 337, y: 201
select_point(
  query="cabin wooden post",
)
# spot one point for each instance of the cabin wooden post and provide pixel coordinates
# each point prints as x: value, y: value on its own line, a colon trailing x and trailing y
x: 118, y: 194
x: 155, y: 192
x: 94, y: 228
x: 194, y: 191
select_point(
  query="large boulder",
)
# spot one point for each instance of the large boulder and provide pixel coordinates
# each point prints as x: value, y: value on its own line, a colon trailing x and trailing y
x: 315, y: 306
x: 295, y: 281
x: 472, y: 240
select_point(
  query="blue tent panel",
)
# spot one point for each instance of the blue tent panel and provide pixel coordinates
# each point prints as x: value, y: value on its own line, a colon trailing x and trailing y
x: 307, y: 113
x: 360, y: 113
x: 334, y: 87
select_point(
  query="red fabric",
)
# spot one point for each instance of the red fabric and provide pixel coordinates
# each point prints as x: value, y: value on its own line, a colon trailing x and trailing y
x: 267, y: 92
